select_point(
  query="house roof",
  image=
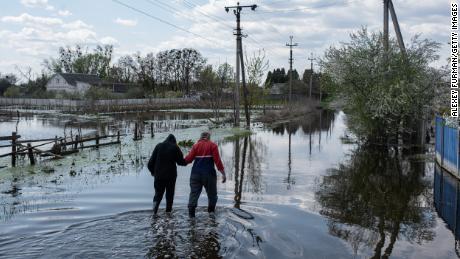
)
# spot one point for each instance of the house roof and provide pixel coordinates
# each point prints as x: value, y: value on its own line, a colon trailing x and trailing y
x: 73, y: 78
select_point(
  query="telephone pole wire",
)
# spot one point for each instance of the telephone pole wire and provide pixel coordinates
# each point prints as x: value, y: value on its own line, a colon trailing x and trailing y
x: 290, y: 45
x: 239, y: 61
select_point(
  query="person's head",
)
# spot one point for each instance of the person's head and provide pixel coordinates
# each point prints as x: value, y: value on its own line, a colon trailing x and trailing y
x: 205, y: 135
x: 171, y: 139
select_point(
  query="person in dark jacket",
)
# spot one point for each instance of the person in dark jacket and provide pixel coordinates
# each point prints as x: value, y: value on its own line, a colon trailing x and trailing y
x: 162, y: 166
x: 205, y: 155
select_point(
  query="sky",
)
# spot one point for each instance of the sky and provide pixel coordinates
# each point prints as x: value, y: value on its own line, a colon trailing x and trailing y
x: 33, y: 30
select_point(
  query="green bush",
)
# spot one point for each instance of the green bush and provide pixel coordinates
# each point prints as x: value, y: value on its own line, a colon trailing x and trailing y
x: 12, y: 91
x: 98, y: 93
x: 173, y: 94
x: 135, y: 92
x: 67, y: 96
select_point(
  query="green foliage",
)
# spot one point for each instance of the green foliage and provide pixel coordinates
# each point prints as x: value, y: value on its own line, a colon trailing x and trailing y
x: 98, y: 93
x: 135, y: 92
x: 12, y: 92
x: 382, y: 98
x: 6, y: 81
x: 173, y: 94
x: 238, y: 134
x: 36, y: 88
x: 68, y: 96
x: 186, y: 143
x: 279, y: 76
x: 77, y: 60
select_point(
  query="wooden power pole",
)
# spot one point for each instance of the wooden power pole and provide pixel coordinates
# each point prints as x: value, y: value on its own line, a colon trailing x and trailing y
x: 388, y: 7
x: 240, y: 61
x: 311, y: 75
x: 290, y: 45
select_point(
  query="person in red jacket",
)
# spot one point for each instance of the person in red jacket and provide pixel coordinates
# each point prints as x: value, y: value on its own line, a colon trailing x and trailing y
x: 204, y: 154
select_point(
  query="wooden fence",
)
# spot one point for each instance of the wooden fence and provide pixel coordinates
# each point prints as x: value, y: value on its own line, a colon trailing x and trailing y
x: 98, y: 105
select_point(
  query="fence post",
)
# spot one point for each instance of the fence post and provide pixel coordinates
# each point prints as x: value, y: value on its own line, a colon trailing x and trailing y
x: 151, y: 130
x: 77, y: 139
x: 135, y: 131
x: 31, y: 154
x: 118, y: 136
x: 97, y: 140
x: 13, y: 149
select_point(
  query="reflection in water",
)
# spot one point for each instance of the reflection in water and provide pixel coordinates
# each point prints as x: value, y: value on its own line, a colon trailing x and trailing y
x: 239, y: 174
x: 447, y: 201
x: 289, y: 181
x: 316, y: 122
x: 174, y: 238
x: 375, y: 197
x: 247, y: 160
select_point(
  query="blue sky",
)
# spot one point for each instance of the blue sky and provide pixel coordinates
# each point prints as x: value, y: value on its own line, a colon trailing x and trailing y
x: 32, y: 30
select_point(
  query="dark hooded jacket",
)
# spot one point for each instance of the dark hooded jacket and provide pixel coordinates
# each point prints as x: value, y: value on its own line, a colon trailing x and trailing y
x: 162, y: 163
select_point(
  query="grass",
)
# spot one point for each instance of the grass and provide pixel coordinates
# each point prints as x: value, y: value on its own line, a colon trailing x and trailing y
x: 237, y: 134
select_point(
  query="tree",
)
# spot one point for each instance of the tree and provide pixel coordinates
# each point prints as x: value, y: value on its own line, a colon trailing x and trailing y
x: 191, y: 62
x: 256, y: 66
x: 146, y: 72
x: 209, y: 81
x: 383, y: 97
x: 6, y: 81
x: 125, y: 70
x: 77, y: 60
x: 12, y: 91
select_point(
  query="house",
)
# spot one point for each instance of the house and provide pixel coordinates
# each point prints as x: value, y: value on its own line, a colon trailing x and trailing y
x: 277, y: 88
x: 72, y: 82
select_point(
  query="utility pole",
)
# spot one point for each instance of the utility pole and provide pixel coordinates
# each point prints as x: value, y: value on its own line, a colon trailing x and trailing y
x: 386, y: 36
x: 290, y: 45
x: 397, y: 29
x: 311, y: 75
x: 239, y: 58
x: 388, y: 8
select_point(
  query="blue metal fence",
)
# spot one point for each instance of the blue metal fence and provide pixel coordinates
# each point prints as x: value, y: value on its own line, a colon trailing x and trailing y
x: 446, y: 199
x: 447, y: 146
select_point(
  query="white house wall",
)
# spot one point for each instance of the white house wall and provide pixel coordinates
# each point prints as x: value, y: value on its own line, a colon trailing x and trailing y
x: 82, y: 87
x: 58, y: 83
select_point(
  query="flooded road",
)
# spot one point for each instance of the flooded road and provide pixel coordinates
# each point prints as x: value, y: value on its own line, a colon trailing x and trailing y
x: 293, y: 191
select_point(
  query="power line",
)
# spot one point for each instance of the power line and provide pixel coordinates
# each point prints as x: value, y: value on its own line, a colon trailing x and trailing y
x: 163, y: 21
x: 346, y: 2
x: 192, y: 5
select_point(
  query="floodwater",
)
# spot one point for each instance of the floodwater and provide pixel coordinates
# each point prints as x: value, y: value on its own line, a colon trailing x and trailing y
x: 297, y: 190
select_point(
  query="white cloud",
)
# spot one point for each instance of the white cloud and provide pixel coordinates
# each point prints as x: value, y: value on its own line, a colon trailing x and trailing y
x: 64, y: 13
x: 76, y: 25
x: 315, y: 25
x: 108, y: 41
x: 28, y: 19
x: 125, y: 22
x: 40, y: 37
x: 37, y: 3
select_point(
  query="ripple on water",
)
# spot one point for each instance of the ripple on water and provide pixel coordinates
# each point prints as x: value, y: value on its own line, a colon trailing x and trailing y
x: 138, y: 234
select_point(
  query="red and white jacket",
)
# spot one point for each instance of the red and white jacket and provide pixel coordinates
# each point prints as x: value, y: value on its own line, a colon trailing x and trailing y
x: 205, y: 154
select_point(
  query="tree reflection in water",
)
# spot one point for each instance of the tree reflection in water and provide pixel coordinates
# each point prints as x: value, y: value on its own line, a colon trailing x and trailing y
x: 376, y: 196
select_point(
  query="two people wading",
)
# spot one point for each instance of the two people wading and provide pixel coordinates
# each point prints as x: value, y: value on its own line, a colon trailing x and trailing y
x: 163, y: 167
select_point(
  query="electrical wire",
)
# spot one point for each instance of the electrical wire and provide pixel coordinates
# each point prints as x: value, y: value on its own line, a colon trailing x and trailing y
x: 163, y: 21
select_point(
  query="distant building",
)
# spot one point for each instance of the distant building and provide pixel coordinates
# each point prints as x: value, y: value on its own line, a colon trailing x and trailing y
x: 72, y: 83
x: 277, y: 88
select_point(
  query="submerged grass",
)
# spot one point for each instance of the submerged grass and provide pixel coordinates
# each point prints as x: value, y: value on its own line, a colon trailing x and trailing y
x: 237, y: 134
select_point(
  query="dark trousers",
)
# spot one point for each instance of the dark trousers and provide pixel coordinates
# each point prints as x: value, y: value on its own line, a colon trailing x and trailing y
x: 198, y: 180
x: 160, y: 187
